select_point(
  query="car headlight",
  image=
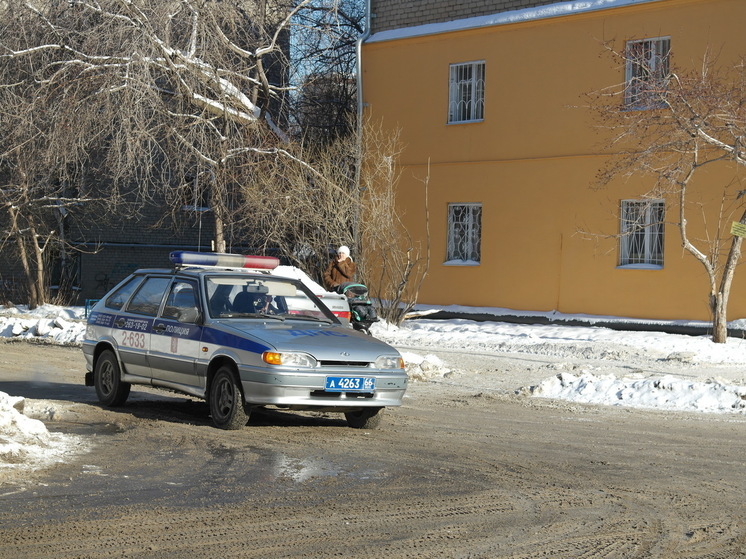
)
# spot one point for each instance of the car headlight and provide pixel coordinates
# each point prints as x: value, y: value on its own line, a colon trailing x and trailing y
x: 288, y: 359
x: 389, y: 362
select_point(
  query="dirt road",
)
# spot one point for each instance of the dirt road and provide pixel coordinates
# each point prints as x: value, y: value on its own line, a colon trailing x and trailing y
x: 456, y: 472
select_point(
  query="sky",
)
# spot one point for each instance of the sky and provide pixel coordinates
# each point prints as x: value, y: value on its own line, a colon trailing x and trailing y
x: 26, y: 442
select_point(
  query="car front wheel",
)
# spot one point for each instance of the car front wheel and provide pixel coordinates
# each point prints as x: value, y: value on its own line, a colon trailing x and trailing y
x: 226, y: 401
x: 107, y: 379
x: 367, y: 418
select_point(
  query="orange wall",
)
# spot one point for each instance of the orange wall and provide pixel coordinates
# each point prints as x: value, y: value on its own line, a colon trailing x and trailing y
x: 533, y: 160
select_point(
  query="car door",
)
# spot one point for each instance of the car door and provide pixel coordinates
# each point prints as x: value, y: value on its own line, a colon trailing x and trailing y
x: 132, y: 329
x: 175, y: 342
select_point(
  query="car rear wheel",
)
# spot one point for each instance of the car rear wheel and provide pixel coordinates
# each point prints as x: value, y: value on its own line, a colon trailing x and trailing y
x: 107, y: 379
x: 367, y: 418
x: 226, y: 401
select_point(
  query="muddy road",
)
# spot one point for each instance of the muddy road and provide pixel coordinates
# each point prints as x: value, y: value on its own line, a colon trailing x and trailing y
x: 456, y: 472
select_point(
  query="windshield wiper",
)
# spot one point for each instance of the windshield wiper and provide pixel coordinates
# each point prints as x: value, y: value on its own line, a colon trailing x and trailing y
x: 253, y: 315
x: 275, y: 316
x: 309, y: 318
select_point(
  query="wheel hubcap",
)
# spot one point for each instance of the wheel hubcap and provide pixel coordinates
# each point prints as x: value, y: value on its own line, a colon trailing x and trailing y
x: 107, y: 378
x: 224, y: 398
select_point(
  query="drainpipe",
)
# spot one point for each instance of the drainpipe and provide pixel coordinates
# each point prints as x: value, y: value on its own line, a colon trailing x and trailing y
x: 360, y: 105
x: 359, y: 49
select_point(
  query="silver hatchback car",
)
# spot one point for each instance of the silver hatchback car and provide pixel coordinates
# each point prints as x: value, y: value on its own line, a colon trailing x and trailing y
x: 221, y: 328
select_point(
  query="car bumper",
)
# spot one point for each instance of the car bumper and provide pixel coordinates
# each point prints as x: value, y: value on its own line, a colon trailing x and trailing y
x: 297, y: 390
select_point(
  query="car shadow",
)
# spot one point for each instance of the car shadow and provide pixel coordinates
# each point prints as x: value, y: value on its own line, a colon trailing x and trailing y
x: 162, y: 406
x: 43, y: 390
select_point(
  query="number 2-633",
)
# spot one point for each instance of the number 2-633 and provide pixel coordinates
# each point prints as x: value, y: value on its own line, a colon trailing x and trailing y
x: 133, y: 339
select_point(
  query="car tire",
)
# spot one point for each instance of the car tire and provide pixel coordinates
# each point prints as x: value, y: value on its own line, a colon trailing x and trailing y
x: 367, y: 418
x: 227, y: 407
x: 107, y: 378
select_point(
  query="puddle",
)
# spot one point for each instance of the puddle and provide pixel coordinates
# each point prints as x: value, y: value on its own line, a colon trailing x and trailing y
x: 276, y: 466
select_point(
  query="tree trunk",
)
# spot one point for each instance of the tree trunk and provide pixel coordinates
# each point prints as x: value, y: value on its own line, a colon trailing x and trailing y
x: 219, y: 233
x: 720, y: 301
x: 32, y: 299
x: 32, y: 291
x: 218, y: 212
x: 718, y: 305
x: 39, y: 280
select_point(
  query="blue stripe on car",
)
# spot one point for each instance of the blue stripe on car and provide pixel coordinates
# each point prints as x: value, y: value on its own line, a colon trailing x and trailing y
x: 212, y: 336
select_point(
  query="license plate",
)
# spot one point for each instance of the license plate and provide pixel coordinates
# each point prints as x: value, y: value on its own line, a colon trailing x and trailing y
x: 350, y: 384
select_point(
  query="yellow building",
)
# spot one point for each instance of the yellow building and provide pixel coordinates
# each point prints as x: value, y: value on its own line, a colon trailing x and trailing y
x: 493, y: 97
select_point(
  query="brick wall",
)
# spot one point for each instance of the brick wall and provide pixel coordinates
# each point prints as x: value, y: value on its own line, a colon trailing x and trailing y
x: 394, y: 14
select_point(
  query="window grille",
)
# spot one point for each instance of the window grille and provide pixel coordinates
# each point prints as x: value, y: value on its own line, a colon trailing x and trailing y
x: 642, y: 230
x: 466, y: 92
x: 647, y: 70
x: 464, y: 232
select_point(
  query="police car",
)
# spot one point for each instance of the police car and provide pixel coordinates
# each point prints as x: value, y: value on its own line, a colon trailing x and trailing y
x: 220, y: 327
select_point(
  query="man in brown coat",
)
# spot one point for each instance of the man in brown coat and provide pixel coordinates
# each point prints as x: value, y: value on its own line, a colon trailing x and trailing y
x: 340, y: 270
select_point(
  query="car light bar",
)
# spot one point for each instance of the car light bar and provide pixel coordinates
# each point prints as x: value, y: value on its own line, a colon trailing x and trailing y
x: 187, y: 258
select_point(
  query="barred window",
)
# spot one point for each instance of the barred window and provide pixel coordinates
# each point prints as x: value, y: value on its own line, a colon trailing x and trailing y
x: 647, y: 70
x: 642, y: 228
x: 464, y: 233
x: 466, y: 92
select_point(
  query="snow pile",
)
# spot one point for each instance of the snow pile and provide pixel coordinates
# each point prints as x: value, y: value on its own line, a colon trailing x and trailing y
x: 425, y: 367
x: 50, y: 323
x: 668, y: 392
x: 25, y: 443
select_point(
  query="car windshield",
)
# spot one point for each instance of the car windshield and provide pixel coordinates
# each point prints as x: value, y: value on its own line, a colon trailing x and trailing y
x: 250, y: 297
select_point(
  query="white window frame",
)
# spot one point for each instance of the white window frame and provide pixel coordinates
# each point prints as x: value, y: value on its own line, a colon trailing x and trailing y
x: 466, y: 92
x: 646, y: 72
x: 642, y: 234
x: 464, y: 243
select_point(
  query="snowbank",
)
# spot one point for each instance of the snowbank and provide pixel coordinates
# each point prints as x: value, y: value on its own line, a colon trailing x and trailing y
x: 25, y: 443
x: 668, y: 393
x: 50, y: 323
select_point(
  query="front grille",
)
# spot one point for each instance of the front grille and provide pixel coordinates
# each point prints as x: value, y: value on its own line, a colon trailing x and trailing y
x: 344, y: 363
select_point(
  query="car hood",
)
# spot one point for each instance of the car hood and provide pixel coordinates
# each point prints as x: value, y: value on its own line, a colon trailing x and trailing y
x: 323, y: 341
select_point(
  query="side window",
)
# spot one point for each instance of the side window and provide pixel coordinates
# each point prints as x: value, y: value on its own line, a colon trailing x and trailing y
x: 148, y: 298
x: 466, y: 92
x: 647, y: 68
x: 641, y: 229
x: 464, y: 234
x: 181, y: 303
x: 117, y: 299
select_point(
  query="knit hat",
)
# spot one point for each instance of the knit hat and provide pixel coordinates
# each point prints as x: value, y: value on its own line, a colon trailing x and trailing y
x: 343, y: 250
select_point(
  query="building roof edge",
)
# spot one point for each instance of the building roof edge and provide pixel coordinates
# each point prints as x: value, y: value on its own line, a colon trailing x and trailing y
x: 558, y: 9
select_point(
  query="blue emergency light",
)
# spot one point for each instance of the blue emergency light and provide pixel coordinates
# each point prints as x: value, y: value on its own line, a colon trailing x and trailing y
x: 187, y: 258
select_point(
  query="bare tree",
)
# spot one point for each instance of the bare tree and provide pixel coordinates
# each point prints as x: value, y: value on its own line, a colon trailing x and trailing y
x: 314, y: 207
x: 395, y: 265
x: 196, y: 88
x: 691, y: 120
x: 324, y: 40
x: 47, y: 136
x: 182, y: 99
